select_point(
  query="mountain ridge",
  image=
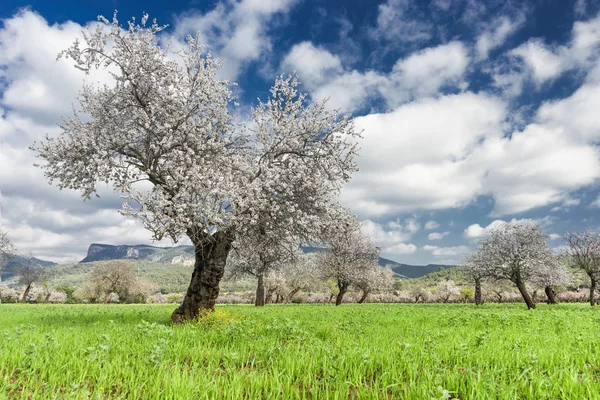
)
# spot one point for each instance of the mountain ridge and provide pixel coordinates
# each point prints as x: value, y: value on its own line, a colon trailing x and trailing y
x: 103, y: 252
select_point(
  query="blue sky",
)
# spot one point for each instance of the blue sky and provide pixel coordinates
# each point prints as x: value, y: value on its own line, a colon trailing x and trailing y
x: 473, y: 113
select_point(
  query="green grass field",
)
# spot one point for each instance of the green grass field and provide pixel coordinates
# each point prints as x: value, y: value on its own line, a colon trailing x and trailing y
x: 301, y: 351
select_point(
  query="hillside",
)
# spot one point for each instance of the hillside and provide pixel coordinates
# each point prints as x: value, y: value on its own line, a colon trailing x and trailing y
x: 8, y: 271
x: 184, y: 255
x: 169, y: 268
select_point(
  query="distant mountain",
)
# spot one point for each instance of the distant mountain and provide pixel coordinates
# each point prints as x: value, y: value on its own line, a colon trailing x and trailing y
x: 101, y: 252
x: 185, y: 254
x: 417, y: 271
x: 11, y: 265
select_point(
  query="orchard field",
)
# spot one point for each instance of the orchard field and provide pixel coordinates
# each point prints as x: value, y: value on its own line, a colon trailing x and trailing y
x: 369, y: 351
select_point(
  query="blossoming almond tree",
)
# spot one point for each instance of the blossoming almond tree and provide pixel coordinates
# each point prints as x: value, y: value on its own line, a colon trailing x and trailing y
x: 350, y: 257
x: 165, y: 121
x: 583, y: 250
x: 261, y: 255
x: 516, y: 252
x: 374, y: 279
x: 6, y: 247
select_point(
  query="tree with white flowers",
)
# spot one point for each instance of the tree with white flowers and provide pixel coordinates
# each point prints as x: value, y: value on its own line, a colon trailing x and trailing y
x: 6, y: 249
x: 374, y: 279
x: 518, y: 253
x: 30, y: 273
x: 350, y: 256
x: 260, y: 256
x: 447, y: 289
x: 583, y: 251
x: 161, y: 133
x: 476, y: 270
x: 552, y: 274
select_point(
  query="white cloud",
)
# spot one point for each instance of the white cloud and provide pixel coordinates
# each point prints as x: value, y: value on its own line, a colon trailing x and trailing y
x: 401, y: 249
x: 392, y: 236
x: 496, y: 34
x: 236, y: 31
x: 398, y: 22
x: 429, y: 225
x: 536, y: 61
x: 580, y: 8
x: 427, y: 145
x: 475, y: 231
x: 554, y: 236
x: 384, y: 237
x: 542, y: 61
x: 314, y: 65
x: 447, y: 251
x: 421, y: 74
x: 426, y: 72
x: 437, y: 235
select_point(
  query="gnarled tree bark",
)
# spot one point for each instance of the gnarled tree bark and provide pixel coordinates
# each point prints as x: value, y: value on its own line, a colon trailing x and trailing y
x: 593, y: 292
x: 211, y: 256
x: 363, y: 297
x: 343, y: 286
x: 551, y: 295
x: 478, y: 298
x: 260, y: 291
x: 528, y: 300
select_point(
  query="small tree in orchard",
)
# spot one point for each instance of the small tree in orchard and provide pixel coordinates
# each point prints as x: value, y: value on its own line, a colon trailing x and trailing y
x: 164, y: 120
x: 298, y: 275
x: 583, y: 251
x: 374, y: 279
x: 28, y: 274
x: 447, y: 289
x: 260, y: 256
x: 515, y: 252
x: 551, y: 275
x: 116, y: 280
x: 6, y: 249
x: 350, y: 257
x: 475, y: 270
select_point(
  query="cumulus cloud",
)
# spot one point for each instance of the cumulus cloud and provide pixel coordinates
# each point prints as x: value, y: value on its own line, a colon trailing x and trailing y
x: 429, y: 225
x: 421, y: 74
x: 475, y: 231
x: 401, y: 249
x: 437, y: 235
x: 540, y: 63
x: 496, y: 34
x: 427, y: 144
x: 314, y: 65
x: 392, y: 236
x: 447, y: 251
x: 399, y: 21
x: 236, y: 31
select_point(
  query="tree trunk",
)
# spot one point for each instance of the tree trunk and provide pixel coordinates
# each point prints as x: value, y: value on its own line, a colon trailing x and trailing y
x: 363, y: 297
x: 25, y: 293
x: 211, y: 256
x: 593, y: 292
x: 343, y: 289
x: 550, y: 295
x: 291, y: 295
x: 478, y: 298
x: 260, y: 292
x: 525, y: 294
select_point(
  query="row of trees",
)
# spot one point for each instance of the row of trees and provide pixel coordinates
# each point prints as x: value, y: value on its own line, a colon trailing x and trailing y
x: 520, y: 253
x: 350, y: 260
